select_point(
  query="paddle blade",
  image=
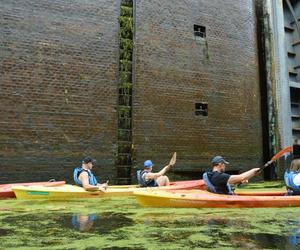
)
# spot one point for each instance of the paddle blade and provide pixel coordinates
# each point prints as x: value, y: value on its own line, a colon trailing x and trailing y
x: 173, y: 159
x: 277, y: 156
x: 282, y: 152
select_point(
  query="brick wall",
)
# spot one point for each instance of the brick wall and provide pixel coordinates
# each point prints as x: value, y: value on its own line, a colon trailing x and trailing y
x: 174, y: 71
x: 58, y: 90
x: 59, y: 76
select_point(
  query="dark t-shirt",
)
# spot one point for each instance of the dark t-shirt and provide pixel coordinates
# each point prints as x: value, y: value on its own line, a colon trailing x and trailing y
x: 219, y: 180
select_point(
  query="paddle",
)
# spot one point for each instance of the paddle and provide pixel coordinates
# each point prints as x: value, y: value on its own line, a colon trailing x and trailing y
x: 173, y: 160
x: 171, y: 163
x: 277, y: 156
x: 274, y: 158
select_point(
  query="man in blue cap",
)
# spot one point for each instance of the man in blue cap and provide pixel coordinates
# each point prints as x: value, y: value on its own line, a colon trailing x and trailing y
x: 148, y: 179
x: 219, y: 182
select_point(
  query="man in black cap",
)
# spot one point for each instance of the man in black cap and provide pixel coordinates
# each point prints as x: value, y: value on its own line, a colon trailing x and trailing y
x: 219, y: 182
x: 84, y: 177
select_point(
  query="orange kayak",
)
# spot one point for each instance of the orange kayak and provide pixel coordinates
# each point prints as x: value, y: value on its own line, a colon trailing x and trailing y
x: 7, y: 192
x: 204, y: 199
x: 185, y: 185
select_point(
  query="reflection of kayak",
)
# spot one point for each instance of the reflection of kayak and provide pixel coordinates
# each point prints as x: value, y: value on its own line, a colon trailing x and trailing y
x: 204, y: 199
x: 71, y: 191
x: 6, y: 189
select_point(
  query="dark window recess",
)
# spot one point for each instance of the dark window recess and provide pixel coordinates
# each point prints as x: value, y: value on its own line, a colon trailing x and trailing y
x: 201, y: 109
x: 200, y: 31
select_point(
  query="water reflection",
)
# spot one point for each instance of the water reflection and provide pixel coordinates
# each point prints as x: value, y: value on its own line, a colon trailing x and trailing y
x: 268, y: 229
x: 222, y: 232
x: 99, y: 223
x: 5, y: 232
x: 294, y: 239
x: 84, y: 222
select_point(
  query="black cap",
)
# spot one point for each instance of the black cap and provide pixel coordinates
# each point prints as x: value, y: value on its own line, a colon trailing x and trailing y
x: 218, y: 159
x: 88, y: 159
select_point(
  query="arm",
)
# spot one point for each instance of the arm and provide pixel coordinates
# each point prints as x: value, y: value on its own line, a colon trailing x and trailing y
x: 150, y: 176
x: 84, y: 178
x: 244, y: 176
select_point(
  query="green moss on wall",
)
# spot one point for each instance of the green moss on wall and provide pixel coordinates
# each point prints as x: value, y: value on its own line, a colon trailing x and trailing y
x: 125, y: 87
x: 126, y: 11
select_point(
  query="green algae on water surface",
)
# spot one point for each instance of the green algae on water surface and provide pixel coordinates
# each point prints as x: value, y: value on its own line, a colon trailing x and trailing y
x: 119, y: 223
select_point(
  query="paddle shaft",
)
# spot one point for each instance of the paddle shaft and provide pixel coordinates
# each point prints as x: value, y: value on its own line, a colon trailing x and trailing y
x: 277, y: 156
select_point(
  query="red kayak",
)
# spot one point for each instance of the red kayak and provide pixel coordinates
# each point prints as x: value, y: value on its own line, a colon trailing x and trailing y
x: 193, y: 184
x: 6, y: 189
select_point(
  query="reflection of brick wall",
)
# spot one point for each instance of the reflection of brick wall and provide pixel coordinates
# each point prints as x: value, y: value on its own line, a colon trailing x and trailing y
x: 174, y: 71
x: 58, y: 90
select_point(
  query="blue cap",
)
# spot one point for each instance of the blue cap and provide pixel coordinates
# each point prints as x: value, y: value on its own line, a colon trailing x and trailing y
x: 218, y: 159
x: 148, y: 164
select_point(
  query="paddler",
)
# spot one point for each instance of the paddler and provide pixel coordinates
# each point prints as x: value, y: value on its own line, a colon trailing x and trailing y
x: 219, y: 182
x: 292, y: 176
x: 84, y: 177
x: 147, y: 178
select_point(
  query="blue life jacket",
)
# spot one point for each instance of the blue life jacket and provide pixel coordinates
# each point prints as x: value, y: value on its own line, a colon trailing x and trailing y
x: 78, y: 171
x: 292, y: 188
x: 211, y: 188
x: 140, y: 174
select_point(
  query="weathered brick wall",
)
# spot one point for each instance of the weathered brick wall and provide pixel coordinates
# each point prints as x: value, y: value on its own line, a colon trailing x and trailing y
x: 174, y: 71
x: 58, y: 90
x: 59, y: 76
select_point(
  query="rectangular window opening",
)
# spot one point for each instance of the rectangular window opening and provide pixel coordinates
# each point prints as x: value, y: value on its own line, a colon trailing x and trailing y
x: 200, y: 31
x: 201, y: 109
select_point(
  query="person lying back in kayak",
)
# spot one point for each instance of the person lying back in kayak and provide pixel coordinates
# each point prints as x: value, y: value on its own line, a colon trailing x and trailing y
x: 148, y: 179
x: 84, y: 177
x: 219, y: 182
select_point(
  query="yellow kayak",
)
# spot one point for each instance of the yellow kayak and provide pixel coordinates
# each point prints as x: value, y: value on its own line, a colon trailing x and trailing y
x: 66, y: 192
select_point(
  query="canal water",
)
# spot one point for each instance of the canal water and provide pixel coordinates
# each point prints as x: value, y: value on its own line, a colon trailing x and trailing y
x: 120, y: 223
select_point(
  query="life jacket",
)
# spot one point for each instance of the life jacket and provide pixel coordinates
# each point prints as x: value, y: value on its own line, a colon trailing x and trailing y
x: 140, y: 174
x: 211, y: 188
x: 292, y: 188
x: 78, y: 171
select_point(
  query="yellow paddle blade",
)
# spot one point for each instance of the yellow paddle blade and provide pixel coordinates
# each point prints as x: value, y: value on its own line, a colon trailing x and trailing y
x: 173, y: 159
